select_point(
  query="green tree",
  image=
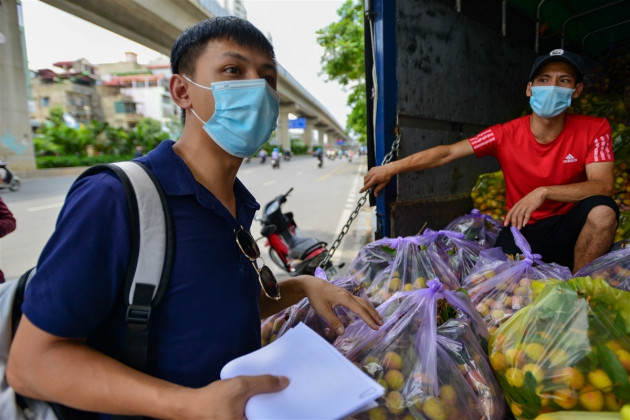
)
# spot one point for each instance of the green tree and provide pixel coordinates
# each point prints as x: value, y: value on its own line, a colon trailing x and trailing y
x: 147, y: 133
x: 344, y: 61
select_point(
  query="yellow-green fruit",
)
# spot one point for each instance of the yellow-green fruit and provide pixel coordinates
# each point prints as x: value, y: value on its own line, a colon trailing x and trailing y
x: 395, y: 379
x: 434, y: 409
x: 420, y: 283
x: 378, y: 413
x: 521, y: 291
x: 515, y: 377
x: 497, y: 315
x: 516, y: 409
x: 569, y: 376
x: 498, y: 361
x: 483, y: 309
x: 448, y: 394
x: 600, y: 380
x: 535, y: 370
x: 407, y: 287
x: 613, y: 345
x: 394, y: 402
x: 625, y: 412
x: 611, y: 402
x: 558, y: 357
x: 565, y: 398
x: 515, y: 357
x: 383, y: 384
x: 591, y: 399
x: 534, y: 351
x: 394, y: 284
x: 392, y: 360
x: 624, y: 358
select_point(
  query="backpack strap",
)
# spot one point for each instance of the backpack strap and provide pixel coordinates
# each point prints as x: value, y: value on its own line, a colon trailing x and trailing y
x: 151, y: 242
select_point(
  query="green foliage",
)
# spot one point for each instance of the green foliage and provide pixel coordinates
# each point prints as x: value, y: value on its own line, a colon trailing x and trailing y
x: 344, y: 61
x: 298, y: 147
x: 56, y: 138
x: 68, y: 161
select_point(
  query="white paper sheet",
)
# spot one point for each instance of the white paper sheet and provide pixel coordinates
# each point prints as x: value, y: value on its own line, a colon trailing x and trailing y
x: 324, y: 385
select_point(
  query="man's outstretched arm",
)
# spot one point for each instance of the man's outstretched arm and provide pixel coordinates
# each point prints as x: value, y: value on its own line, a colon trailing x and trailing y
x: 379, y: 176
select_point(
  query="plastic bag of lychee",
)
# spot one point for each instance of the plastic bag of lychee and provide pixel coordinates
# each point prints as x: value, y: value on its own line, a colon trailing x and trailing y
x: 461, y: 253
x: 613, y: 267
x: 389, y: 265
x: 277, y: 325
x: 567, y: 351
x: 428, y: 356
x: 477, y: 227
x: 499, y: 286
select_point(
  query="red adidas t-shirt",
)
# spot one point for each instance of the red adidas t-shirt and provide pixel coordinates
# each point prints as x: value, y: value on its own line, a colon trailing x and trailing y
x: 527, y: 164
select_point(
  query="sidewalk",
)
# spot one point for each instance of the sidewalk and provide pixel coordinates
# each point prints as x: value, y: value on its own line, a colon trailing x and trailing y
x: 45, y: 173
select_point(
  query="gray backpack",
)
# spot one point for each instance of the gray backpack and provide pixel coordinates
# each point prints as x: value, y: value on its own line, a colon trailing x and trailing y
x: 146, y: 281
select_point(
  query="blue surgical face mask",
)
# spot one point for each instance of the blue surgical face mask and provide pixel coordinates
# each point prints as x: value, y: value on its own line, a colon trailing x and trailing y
x: 550, y: 101
x: 245, y: 115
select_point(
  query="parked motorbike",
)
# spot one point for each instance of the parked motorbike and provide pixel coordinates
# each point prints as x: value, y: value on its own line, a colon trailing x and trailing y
x: 288, y: 249
x: 8, y: 179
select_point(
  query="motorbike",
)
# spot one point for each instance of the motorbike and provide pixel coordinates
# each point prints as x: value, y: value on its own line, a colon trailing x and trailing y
x: 320, y: 161
x: 287, y: 155
x: 263, y: 158
x: 275, y: 163
x: 288, y: 248
x: 9, y: 179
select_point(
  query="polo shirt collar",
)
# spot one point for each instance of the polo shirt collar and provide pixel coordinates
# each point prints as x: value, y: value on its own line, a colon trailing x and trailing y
x: 177, y: 180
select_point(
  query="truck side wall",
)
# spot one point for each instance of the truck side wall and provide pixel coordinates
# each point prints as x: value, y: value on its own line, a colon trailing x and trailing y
x: 455, y: 77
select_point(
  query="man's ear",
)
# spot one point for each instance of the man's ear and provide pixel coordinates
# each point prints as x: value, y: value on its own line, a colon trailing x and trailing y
x: 179, y: 91
x: 528, y: 90
x: 578, y: 90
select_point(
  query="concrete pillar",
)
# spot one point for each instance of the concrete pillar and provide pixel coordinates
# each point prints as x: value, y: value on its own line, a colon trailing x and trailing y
x: 16, y: 143
x: 282, y: 132
x: 307, y: 136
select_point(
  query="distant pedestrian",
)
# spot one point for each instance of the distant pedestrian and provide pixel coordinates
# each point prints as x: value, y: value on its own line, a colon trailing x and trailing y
x: 139, y: 152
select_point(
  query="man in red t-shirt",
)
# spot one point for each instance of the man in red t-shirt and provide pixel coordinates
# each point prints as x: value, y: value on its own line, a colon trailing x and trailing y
x: 558, y: 168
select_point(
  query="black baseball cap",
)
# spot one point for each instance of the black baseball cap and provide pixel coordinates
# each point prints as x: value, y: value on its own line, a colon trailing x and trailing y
x: 559, y: 55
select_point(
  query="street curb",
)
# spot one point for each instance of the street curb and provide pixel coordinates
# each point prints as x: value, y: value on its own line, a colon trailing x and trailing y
x: 51, y: 172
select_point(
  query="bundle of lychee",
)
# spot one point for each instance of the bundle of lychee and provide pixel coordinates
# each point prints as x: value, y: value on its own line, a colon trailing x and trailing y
x: 613, y: 268
x: 476, y: 226
x: 389, y: 265
x: 569, y: 350
x: 488, y: 195
x: 499, y: 286
x: 461, y: 253
x: 271, y: 326
x: 277, y: 325
x: 428, y: 357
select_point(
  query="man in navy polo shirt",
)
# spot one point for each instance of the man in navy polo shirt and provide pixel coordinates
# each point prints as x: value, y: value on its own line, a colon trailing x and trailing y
x: 71, y: 336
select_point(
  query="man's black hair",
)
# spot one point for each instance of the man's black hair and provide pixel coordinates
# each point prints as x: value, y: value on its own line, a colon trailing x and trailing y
x: 191, y: 43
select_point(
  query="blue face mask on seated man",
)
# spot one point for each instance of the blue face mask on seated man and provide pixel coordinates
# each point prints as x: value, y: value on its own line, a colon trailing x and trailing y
x: 245, y: 115
x: 549, y: 101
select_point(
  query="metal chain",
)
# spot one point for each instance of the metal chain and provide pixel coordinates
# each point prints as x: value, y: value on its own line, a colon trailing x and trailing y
x: 386, y: 159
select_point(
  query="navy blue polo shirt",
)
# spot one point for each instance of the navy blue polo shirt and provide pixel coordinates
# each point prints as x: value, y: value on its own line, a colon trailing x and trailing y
x: 209, y: 314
